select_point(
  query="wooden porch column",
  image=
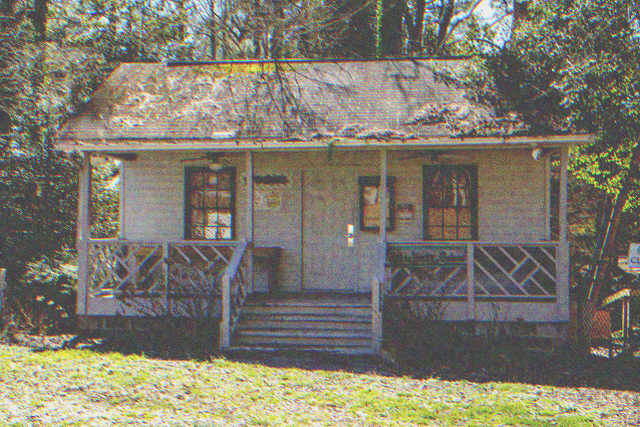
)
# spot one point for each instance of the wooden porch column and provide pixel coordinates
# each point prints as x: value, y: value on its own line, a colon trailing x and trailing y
x: 382, y: 195
x: 249, y: 196
x: 250, y: 222
x: 83, y: 230
x: 563, y: 250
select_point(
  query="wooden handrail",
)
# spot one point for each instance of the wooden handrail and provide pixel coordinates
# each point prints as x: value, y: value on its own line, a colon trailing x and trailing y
x: 473, y: 242
x: 111, y: 241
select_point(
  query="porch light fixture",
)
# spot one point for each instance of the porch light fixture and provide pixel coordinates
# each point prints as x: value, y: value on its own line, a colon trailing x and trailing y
x: 537, y: 153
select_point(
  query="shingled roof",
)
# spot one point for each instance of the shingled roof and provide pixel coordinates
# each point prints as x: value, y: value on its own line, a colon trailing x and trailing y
x: 388, y: 100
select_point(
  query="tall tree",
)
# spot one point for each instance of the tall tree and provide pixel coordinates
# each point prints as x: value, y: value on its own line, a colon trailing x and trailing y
x: 573, y: 65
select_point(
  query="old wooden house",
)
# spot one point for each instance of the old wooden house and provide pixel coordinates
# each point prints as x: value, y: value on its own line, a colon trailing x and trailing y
x: 291, y: 199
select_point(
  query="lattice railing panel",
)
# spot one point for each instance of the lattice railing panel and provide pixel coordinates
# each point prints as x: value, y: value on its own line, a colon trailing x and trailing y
x: 500, y: 270
x: 427, y: 270
x: 196, y: 269
x: 515, y: 270
x: 125, y: 267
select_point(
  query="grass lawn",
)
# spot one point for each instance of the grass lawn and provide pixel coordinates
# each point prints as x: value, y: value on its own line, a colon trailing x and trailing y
x: 81, y: 386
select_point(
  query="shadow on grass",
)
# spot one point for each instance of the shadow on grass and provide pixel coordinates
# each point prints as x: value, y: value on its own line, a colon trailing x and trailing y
x: 415, y: 348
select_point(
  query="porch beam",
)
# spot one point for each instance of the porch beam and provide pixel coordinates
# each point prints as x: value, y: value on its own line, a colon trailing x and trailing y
x: 83, y: 230
x: 382, y: 195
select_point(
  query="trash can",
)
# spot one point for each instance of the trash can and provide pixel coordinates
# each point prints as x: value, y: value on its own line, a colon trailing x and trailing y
x: 266, y: 261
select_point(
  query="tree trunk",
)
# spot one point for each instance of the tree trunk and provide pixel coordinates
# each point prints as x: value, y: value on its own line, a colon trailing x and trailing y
x: 415, y: 26
x: 388, y: 28
x: 444, y: 20
x: 212, y: 29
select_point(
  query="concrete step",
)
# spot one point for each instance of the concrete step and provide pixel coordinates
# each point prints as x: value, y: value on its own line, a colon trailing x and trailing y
x: 284, y: 339
x: 252, y: 309
x: 306, y: 323
x: 355, y: 350
x: 308, y: 333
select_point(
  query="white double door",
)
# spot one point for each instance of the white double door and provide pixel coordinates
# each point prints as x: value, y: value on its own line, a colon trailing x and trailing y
x: 329, y: 213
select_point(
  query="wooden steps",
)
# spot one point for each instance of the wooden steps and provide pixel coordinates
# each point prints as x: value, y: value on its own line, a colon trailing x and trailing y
x: 308, y: 322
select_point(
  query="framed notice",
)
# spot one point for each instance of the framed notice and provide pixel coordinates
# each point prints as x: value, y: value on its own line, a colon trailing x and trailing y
x: 370, y: 203
x: 268, y: 197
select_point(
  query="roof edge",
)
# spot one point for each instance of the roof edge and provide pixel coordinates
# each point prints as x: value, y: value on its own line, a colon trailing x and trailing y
x: 178, y: 63
x: 339, y: 143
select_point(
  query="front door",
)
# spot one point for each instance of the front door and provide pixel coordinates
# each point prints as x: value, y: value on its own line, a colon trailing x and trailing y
x: 328, y: 213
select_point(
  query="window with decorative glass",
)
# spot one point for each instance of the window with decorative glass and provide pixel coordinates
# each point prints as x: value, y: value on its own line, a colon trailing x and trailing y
x: 210, y: 199
x: 450, y: 202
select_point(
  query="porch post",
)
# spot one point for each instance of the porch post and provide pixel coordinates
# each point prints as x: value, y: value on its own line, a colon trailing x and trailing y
x: 471, y: 289
x: 382, y: 195
x: 84, y: 198
x: 249, y: 196
x: 563, y: 250
x: 250, y: 223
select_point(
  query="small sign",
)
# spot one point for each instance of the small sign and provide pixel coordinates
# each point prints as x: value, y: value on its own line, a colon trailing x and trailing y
x: 633, y: 261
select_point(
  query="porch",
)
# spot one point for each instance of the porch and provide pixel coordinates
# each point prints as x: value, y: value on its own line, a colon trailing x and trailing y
x: 470, y: 281
x: 331, y: 245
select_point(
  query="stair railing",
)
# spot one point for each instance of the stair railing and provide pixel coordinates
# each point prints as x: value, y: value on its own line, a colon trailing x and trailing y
x: 236, y: 286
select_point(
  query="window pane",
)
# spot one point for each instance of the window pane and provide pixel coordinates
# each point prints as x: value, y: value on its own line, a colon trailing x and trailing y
x: 463, y: 185
x: 211, y: 200
x: 211, y: 233
x: 450, y: 219
x: 224, y: 180
x: 196, y: 180
x: 224, y: 233
x: 465, y: 233
x: 224, y: 199
x: 212, y: 180
x: 435, y: 233
x: 435, y: 185
x: 435, y: 217
x: 450, y: 233
x: 197, y: 217
x: 196, y: 199
x: 212, y: 218
x: 464, y: 217
x: 224, y: 218
x: 197, y: 232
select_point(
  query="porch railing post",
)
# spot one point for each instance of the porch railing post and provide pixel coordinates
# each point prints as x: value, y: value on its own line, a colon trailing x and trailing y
x: 225, y: 324
x: 471, y: 289
x: 83, y: 233
x: 165, y: 274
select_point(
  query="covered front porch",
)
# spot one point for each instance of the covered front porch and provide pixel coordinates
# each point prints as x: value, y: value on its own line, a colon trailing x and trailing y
x: 505, y: 263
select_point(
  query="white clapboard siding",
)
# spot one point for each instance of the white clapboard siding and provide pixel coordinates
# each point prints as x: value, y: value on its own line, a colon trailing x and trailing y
x: 510, y: 192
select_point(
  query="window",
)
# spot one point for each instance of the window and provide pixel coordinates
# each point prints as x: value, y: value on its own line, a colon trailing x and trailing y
x: 210, y: 203
x: 370, y: 203
x: 450, y: 202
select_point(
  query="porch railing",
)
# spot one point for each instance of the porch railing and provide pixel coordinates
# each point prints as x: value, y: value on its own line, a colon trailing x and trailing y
x: 473, y: 270
x: 153, y: 268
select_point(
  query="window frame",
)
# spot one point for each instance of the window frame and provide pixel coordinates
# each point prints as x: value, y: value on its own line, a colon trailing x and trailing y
x: 473, y: 173
x: 188, y: 172
x: 368, y: 181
